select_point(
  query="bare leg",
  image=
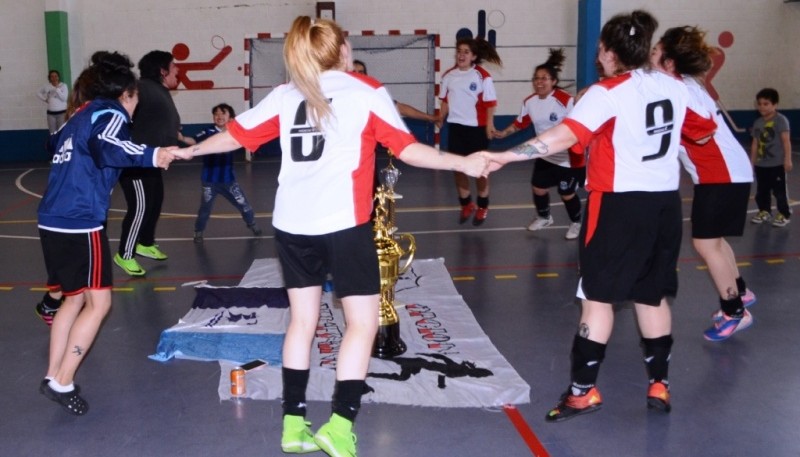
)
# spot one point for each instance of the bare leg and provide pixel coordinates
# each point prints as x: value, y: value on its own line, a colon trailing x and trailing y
x: 597, y: 321
x: 719, y: 257
x: 304, y: 310
x: 462, y: 184
x: 654, y: 321
x: 361, y: 314
x: 483, y: 186
x: 82, y: 332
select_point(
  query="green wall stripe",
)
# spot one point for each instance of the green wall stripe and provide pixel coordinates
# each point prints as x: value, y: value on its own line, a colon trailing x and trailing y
x: 57, y: 38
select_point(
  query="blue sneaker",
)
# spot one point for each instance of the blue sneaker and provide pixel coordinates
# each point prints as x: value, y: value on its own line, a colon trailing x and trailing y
x: 725, y: 326
x: 749, y: 298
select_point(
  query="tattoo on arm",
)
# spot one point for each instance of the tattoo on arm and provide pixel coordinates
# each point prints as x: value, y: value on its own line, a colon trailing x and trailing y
x: 583, y: 330
x: 77, y: 350
x: 536, y: 147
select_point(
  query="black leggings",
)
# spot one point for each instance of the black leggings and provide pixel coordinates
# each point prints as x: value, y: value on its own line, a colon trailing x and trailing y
x: 144, y: 194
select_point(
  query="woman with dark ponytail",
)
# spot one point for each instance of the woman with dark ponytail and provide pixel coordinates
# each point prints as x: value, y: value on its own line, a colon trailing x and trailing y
x: 468, y: 104
x: 546, y: 108
x: 632, y: 122
x: 89, y: 153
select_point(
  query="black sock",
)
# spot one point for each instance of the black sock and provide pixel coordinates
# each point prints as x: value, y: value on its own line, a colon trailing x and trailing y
x: 656, y: 357
x: 464, y: 201
x: 51, y: 302
x: 542, y: 204
x: 483, y: 202
x: 294, y: 391
x: 347, y: 398
x: 586, y: 358
x: 573, y: 207
x: 733, y: 307
x: 741, y: 286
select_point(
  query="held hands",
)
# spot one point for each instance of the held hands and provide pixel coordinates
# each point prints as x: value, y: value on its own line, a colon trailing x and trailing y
x: 166, y: 155
x: 501, y: 134
x: 480, y: 164
x: 182, y: 153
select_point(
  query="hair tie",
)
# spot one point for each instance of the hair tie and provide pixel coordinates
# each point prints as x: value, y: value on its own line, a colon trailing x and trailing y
x: 633, y: 31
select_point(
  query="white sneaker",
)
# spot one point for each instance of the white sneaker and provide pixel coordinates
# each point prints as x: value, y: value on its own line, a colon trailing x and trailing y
x: 573, y: 231
x: 540, y: 223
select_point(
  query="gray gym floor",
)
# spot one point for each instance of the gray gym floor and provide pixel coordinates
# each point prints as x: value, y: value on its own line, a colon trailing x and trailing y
x: 727, y: 396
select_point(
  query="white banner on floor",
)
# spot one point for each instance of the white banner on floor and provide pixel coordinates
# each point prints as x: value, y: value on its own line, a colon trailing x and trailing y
x: 450, y: 362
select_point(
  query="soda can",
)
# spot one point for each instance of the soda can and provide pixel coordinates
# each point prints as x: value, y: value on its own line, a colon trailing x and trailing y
x: 237, y: 382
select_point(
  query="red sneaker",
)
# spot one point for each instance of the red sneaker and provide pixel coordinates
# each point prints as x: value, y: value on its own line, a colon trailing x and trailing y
x: 570, y: 405
x: 658, y: 396
x: 466, y: 212
x: 480, y: 216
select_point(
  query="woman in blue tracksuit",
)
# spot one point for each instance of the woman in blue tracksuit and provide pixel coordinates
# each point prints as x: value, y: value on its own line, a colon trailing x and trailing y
x: 88, y: 155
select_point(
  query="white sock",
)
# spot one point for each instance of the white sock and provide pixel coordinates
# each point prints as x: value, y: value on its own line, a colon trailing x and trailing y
x: 59, y: 388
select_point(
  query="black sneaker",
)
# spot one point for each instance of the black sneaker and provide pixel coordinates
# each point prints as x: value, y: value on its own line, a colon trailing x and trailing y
x: 45, y: 312
x: 256, y: 231
x: 198, y: 237
x: 70, y: 401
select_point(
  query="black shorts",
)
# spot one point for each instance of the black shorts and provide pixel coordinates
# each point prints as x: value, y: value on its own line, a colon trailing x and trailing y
x: 349, y: 255
x: 629, y: 247
x: 464, y: 140
x: 719, y: 210
x: 547, y: 174
x: 77, y: 261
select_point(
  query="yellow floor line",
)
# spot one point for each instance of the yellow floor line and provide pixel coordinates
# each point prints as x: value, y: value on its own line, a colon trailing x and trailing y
x: 546, y: 275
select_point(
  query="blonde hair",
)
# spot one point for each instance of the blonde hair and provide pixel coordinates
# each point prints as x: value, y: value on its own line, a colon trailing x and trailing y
x: 312, y: 47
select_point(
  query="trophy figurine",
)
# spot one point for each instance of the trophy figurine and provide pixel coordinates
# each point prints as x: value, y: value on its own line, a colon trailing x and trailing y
x: 387, y: 244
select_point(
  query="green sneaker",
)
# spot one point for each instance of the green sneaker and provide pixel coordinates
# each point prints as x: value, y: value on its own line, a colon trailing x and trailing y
x: 336, y: 438
x: 130, y: 266
x: 297, y: 437
x: 151, y: 252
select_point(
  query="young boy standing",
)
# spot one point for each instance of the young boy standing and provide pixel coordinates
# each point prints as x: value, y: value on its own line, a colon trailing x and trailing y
x: 771, y: 155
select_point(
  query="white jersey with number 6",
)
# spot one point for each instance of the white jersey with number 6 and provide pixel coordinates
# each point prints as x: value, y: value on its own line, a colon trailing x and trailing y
x: 325, y: 182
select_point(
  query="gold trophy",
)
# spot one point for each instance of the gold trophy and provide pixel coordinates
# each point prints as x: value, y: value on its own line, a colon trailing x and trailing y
x: 387, y: 243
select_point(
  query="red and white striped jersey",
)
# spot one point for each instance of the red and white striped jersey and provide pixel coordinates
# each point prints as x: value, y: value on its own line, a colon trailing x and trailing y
x: 633, y: 125
x: 722, y: 159
x: 326, y: 176
x: 546, y: 113
x: 468, y: 93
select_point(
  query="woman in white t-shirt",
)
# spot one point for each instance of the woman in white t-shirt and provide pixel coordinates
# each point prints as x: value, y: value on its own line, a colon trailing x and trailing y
x: 632, y: 122
x: 328, y: 120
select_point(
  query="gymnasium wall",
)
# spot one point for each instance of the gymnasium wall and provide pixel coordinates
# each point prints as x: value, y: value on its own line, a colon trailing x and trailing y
x: 758, y: 39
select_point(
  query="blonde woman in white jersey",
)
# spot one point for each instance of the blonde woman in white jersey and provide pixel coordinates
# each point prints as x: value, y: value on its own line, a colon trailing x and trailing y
x: 328, y: 120
x: 721, y: 173
x: 632, y: 122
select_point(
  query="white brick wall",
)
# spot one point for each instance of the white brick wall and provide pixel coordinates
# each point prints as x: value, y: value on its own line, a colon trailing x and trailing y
x: 764, y: 53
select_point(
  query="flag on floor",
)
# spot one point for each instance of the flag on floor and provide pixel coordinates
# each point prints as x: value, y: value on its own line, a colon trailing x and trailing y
x: 237, y: 324
x: 449, y: 361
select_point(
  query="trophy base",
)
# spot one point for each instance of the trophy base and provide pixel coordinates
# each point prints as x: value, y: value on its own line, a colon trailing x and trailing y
x: 388, y: 343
